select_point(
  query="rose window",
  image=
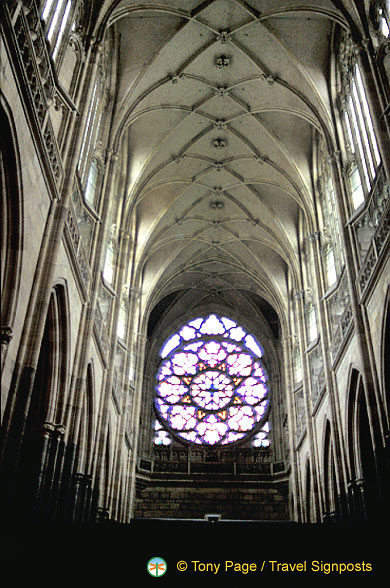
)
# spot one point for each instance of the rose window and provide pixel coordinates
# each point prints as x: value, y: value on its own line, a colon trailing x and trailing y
x: 211, y: 384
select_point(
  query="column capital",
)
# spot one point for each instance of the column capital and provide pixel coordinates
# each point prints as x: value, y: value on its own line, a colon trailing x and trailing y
x: 85, y: 479
x: 53, y: 430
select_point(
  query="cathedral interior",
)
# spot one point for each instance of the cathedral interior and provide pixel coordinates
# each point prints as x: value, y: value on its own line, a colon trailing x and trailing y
x: 195, y: 282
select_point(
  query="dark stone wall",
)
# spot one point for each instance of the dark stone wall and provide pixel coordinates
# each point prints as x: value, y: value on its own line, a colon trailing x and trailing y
x: 247, y: 502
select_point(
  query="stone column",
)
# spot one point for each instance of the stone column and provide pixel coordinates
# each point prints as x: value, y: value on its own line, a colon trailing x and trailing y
x: 47, y: 483
x: 81, y: 498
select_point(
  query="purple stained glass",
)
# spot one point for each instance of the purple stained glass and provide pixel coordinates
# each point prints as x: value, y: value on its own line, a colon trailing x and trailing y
x: 211, y: 384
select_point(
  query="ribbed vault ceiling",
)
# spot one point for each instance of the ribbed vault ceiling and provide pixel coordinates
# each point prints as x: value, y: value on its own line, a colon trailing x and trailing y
x: 217, y: 106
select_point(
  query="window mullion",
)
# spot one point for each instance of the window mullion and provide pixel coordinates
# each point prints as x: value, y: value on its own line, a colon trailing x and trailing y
x: 62, y: 28
x: 93, y: 136
x: 47, y: 12
x: 367, y: 117
x: 87, y: 133
x: 363, y: 134
x: 360, y: 140
x: 55, y: 22
x: 358, y: 147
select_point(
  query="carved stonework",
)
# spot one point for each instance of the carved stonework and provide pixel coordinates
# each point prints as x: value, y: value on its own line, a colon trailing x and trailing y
x: 299, y: 295
x: 270, y: 79
x: 313, y: 237
x: 103, y: 514
x: 259, y: 158
x: 83, y: 479
x: 53, y: 430
x: 220, y: 125
x: 219, y: 143
x: 222, y: 62
x: 75, y: 42
x: 224, y: 37
x: 222, y: 91
x: 347, y: 60
x: 6, y: 335
x: 175, y: 78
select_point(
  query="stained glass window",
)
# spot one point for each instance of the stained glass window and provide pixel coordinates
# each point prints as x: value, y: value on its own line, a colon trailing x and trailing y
x: 211, y: 383
x: 262, y: 439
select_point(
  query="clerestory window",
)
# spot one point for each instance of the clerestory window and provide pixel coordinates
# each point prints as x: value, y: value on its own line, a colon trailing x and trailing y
x: 211, y: 385
x: 358, y: 127
x: 91, y: 133
x: 384, y: 18
x: 56, y: 16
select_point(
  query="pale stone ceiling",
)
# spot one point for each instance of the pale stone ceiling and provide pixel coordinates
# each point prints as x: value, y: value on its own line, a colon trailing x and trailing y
x: 218, y: 102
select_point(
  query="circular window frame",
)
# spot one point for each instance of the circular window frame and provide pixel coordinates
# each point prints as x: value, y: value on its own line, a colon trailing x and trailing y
x: 258, y: 426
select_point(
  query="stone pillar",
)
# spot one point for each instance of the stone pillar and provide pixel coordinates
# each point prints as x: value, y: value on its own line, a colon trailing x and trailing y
x: 81, y: 498
x: 356, y: 500
x: 50, y: 466
x: 103, y: 515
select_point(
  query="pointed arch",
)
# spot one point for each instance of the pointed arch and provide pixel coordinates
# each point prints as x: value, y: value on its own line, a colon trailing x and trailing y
x: 11, y: 218
x: 43, y: 441
x: 361, y: 450
x: 385, y: 354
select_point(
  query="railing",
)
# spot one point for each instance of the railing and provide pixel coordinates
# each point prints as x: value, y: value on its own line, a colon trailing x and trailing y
x: 367, y: 222
x: 341, y: 317
x: 215, y: 462
x: 378, y: 245
x: 243, y: 455
x: 371, y: 229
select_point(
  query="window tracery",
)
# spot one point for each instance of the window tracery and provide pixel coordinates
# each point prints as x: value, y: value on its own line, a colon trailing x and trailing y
x: 211, y: 385
x: 91, y: 131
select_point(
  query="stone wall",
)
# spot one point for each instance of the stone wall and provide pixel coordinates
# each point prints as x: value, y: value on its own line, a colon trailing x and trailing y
x: 255, y: 502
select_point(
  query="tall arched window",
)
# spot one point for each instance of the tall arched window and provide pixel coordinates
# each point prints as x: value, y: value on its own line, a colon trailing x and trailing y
x: 330, y: 266
x: 211, y: 384
x: 312, y: 329
x: 332, y: 248
x: 91, y: 133
x: 109, y: 263
x: 92, y: 184
x: 381, y: 17
x: 297, y: 365
x: 357, y: 123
